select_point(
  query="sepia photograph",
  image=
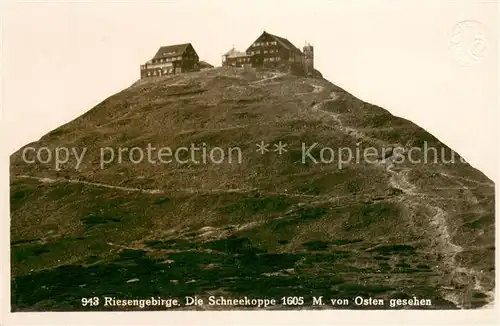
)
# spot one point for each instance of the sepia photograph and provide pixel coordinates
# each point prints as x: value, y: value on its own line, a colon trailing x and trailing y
x: 297, y: 157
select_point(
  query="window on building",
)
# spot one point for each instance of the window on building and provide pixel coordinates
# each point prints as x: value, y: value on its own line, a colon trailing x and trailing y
x: 278, y: 58
x: 265, y: 51
x: 271, y: 59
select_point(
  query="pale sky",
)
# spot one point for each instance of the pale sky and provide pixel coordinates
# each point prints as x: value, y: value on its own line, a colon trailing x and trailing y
x: 59, y: 59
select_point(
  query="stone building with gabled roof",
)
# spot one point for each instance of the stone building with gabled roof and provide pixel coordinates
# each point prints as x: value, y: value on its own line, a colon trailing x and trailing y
x: 171, y: 59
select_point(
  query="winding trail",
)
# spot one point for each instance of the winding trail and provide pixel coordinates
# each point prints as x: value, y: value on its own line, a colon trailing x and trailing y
x: 95, y: 184
x: 449, y: 250
x: 271, y: 76
x: 160, y: 191
x: 443, y: 239
x: 467, y: 179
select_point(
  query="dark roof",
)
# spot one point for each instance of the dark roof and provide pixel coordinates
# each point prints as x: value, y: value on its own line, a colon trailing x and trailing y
x: 283, y: 41
x: 204, y: 64
x: 286, y: 43
x: 171, y: 50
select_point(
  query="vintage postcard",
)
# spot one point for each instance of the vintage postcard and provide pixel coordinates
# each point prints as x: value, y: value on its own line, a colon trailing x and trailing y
x: 231, y: 162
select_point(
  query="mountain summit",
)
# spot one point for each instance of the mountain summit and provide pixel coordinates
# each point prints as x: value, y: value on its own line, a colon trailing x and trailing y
x: 237, y: 183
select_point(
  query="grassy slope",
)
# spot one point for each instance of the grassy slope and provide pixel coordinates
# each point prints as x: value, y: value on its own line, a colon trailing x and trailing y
x: 286, y: 228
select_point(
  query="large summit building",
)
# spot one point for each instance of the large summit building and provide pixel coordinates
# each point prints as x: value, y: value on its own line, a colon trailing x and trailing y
x: 171, y: 59
x: 272, y: 51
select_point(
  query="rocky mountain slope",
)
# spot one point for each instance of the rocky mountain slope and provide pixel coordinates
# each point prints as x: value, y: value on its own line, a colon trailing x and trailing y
x: 289, y: 221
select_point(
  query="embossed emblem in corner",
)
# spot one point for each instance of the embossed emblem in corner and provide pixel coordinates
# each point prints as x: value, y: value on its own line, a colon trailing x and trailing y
x: 468, y: 42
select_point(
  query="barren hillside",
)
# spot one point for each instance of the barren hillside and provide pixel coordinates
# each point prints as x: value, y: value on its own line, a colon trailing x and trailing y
x: 272, y: 224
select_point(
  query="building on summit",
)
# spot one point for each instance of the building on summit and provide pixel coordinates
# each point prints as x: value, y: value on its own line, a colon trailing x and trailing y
x: 308, y: 59
x: 271, y: 51
x: 234, y: 58
x: 267, y: 51
x: 171, y: 59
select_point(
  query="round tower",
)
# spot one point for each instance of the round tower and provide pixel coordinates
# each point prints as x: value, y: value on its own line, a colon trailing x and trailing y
x: 308, y: 50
